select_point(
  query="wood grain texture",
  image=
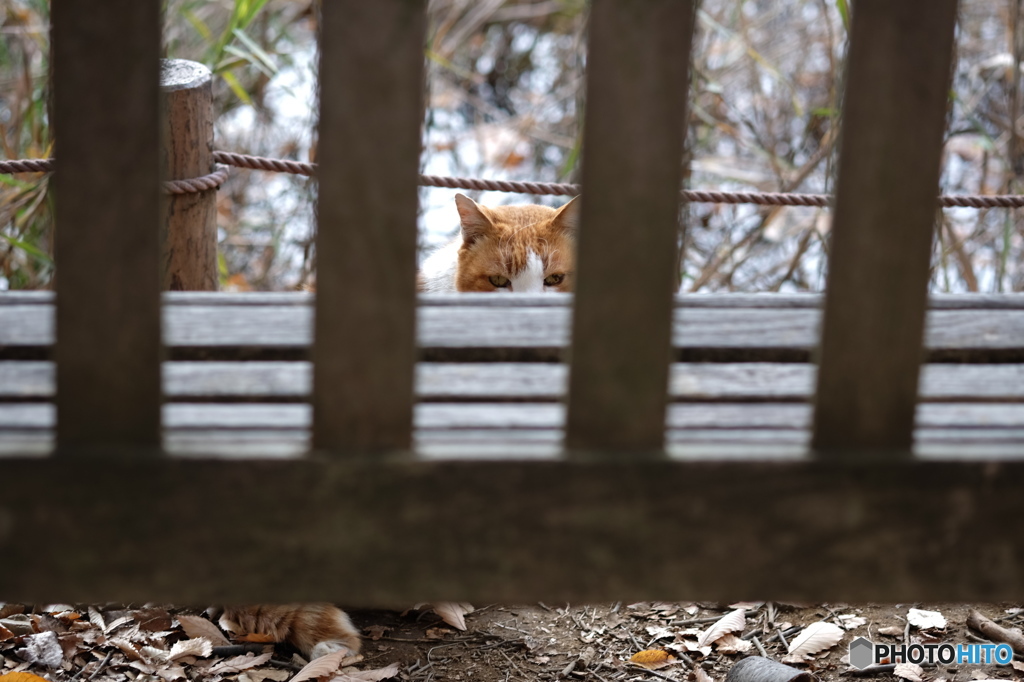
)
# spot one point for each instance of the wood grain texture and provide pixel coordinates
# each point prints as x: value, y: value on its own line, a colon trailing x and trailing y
x: 893, y: 122
x: 371, y: 76
x: 637, y: 85
x: 106, y: 250
x: 456, y: 333
x: 511, y: 532
x: 188, y: 247
x: 277, y: 382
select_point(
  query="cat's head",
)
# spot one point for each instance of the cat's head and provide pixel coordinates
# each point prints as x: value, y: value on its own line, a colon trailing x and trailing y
x: 520, y: 249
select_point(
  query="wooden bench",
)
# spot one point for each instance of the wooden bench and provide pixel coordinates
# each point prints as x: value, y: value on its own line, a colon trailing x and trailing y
x: 368, y: 446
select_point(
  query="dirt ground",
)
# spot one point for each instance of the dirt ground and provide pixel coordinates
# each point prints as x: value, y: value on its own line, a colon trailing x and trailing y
x: 500, y: 643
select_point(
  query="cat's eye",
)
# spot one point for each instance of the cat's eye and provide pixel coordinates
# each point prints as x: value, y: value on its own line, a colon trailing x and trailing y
x: 499, y: 281
x: 553, y: 280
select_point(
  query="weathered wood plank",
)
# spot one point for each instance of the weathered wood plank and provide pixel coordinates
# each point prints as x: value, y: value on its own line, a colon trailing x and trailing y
x: 451, y: 333
x: 370, y: 116
x: 945, y: 417
x: 324, y: 527
x: 106, y: 250
x: 894, y: 118
x: 291, y: 381
x: 724, y: 300
x: 638, y: 52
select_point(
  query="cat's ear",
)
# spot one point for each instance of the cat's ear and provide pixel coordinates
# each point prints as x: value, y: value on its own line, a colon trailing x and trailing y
x: 567, y: 218
x: 475, y: 221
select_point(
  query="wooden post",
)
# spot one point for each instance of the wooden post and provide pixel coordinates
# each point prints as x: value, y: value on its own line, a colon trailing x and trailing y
x: 107, y: 184
x: 188, y: 247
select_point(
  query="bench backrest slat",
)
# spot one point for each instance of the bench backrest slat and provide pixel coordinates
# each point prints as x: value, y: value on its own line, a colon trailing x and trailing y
x: 893, y: 122
x: 107, y: 184
x: 371, y: 80
x: 637, y: 86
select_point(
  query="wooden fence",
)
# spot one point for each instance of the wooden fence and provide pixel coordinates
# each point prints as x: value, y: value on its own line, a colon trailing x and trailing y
x: 443, y: 463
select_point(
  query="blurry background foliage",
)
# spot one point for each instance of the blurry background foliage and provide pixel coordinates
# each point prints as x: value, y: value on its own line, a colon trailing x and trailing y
x: 505, y: 100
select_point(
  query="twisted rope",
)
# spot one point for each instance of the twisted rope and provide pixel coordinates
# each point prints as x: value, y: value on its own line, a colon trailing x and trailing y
x: 220, y: 175
x: 204, y: 182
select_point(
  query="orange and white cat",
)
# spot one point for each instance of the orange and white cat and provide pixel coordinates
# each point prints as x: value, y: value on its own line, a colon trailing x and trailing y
x: 313, y: 629
x: 518, y: 249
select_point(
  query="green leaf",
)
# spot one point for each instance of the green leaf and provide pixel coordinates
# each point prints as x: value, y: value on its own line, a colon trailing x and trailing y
x: 236, y: 87
x: 27, y: 248
x: 256, y: 50
x: 198, y: 24
x: 844, y: 12
x: 248, y: 59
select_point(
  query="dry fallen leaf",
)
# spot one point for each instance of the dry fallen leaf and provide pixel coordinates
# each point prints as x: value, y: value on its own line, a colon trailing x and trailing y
x: 909, y: 671
x: 43, y: 649
x: 850, y: 621
x: 652, y: 659
x: 700, y: 676
x: 199, y: 647
x: 731, y: 644
x: 453, y: 613
x: 375, y: 632
x: 319, y: 667
x: 926, y: 620
x: 814, y: 638
x: 891, y: 631
x: 1017, y: 665
x: 22, y: 677
x: 368, y: 675
x: 237, y: 664
x: 197, y: 626
x: 734, y: 621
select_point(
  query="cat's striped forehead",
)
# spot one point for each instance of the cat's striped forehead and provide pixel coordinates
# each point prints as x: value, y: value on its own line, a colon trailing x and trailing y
x: 522, y: 243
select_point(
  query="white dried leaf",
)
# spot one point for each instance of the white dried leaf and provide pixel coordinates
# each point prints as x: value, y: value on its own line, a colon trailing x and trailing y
x: 1017, y: 665
x: 731, y: 644
x: 237, y: 664
x: 368, y: 675
x: 200, y: 647
x: 909, y: 671
x: 43, y: 649
x: 733, y: 621
x: 747, y: 605
x: 926, y: 620
x: 96, y: 618
x: 319, y: 667
x: 197, y: 626
x: 171, y: 672
x: 700, y: 676
x: 113, y: 625
x: 850, y: 621
x: 659, y: 632
x: 272, y: 674
x: 153, y: 655
x: 814, y: 638
x: 891, y: 631
x: 453, y: 613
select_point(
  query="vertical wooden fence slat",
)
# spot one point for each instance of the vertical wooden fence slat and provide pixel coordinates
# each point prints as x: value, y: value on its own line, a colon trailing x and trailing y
x: 637, y: 86
x: 107, y: 210
x: 371, y: 79
x: 893, y: 122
